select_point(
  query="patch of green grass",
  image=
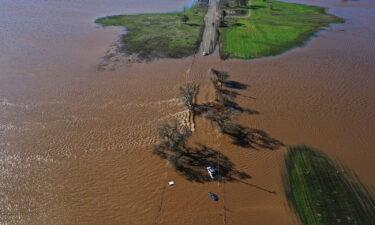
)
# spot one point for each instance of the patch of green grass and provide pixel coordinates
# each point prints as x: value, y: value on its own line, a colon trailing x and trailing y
x: 322, y: 193
x: 160, y: 35
x: 271, y: 28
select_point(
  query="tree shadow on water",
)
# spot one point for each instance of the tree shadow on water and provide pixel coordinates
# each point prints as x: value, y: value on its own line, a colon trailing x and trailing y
x: 251, y: 138
x: 235, y: 85
x: 193, y: 166
x: 236, y: 106
x: 218, y: 110
x: 229, y: 95
x: 242, y: 136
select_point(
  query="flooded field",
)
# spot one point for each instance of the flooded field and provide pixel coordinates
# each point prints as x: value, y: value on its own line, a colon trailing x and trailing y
x: 75, y: 143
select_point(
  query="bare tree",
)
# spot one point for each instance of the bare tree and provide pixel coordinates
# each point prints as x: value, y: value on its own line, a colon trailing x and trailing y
x: 219, y: 77
x: 173, y: 136
x: 188, y: 92
x: 215, y: 82
x: 173, y: 142
x: 222, y: 117
x: 222, y: 98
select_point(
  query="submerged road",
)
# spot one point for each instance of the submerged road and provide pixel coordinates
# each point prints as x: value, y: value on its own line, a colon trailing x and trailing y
x: 210, y: 33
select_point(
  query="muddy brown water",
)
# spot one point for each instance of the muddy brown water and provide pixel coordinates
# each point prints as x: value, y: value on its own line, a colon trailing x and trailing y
x: 75, y: 143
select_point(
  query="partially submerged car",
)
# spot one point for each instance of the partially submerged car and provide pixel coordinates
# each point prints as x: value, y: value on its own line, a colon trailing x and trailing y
x: 213, y: 196
x: 212, y: 172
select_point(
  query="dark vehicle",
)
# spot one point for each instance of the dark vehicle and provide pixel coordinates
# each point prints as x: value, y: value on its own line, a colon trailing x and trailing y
x: 213, y: 196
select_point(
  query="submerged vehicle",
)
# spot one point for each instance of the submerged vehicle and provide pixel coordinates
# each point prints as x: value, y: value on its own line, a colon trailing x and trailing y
x: 212, y: 172
x: 213, y: 196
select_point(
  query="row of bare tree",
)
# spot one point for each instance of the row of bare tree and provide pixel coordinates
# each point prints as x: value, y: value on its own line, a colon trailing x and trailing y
x: 173, y: 135
x: 222, y: 111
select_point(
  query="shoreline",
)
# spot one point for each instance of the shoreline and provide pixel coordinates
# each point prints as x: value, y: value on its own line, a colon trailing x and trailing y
x: 163, y: 35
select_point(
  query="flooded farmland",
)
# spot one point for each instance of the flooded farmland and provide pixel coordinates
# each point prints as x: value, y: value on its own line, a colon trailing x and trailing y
x: 75, y: 142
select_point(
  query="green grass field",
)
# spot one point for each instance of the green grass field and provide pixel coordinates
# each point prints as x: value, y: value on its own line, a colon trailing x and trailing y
x: 322, y: 193
x: 160, y: 35
x: 270, y: 31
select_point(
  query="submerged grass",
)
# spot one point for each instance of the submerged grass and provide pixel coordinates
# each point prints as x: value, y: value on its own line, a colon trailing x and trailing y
x: 271, y: 27
x: 322, y: 193
x: 164, y: 35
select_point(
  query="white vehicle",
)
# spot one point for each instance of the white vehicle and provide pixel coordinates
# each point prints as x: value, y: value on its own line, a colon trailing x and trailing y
x: 205, y: 53
x: 212, y: 172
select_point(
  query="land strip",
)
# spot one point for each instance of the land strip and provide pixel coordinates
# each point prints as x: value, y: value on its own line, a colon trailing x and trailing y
x: 210, y: 34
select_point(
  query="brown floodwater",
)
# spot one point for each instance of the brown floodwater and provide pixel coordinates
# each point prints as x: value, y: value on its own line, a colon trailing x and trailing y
x: 75, y: 143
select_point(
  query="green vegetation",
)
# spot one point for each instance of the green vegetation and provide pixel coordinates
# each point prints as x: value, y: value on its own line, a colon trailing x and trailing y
x: 322, y: 193
x: 256, y: 28
x: 168, y: 35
